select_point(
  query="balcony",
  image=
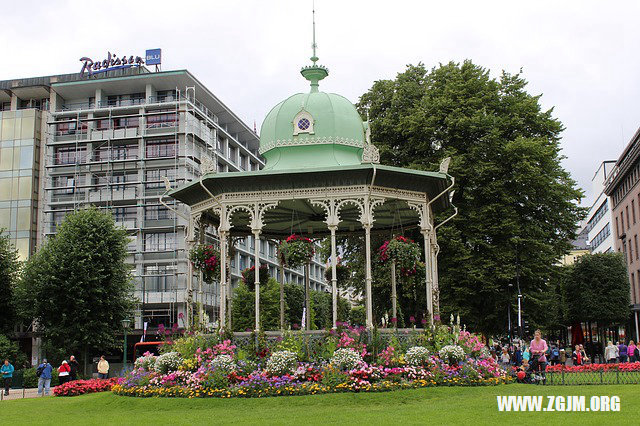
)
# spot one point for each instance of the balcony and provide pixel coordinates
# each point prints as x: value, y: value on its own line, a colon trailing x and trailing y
x: 115, y: 194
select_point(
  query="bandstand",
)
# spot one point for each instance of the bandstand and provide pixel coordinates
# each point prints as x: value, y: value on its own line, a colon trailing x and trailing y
x: 323, y: 179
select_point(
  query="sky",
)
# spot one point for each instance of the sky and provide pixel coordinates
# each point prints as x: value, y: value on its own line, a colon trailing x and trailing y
x: 579, y: 55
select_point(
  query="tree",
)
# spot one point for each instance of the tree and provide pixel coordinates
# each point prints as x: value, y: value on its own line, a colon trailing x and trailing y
x: 77, y: 287
x: 597, y: 290
x: 243, y: 309
x: 517, y: 205
x: 9, y: 269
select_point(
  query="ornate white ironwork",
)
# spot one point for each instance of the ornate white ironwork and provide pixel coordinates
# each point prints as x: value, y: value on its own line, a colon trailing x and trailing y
x: 310, y: 141
x: 370, y: 154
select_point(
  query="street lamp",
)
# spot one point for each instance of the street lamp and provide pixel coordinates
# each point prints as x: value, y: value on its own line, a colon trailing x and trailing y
x: 125, y: 325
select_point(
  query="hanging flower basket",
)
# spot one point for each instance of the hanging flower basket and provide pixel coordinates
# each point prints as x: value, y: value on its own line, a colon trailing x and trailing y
x: 343, y: 273
x: 295, y: 251
x: 248, y: 276
x: 404, y: 251
x: 206, y: 258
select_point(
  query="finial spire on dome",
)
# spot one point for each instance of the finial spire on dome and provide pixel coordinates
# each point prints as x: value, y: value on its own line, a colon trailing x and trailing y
x: 314, y: 73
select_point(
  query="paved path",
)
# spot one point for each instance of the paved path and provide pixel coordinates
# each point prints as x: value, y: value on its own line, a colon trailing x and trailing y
x: 19, y: 394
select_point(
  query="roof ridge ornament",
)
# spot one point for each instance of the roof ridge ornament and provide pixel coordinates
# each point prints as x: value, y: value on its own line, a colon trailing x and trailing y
x: 370, y: 153
x: 314, y: 73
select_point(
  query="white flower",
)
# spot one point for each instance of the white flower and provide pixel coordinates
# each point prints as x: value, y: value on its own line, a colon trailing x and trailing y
x: 282, y: 362
x: 345, y: 359
x: 224, y: 363
x: 147, y: 362
x: 452, y: 354
x: 417, y: 356
x: 168, y: 362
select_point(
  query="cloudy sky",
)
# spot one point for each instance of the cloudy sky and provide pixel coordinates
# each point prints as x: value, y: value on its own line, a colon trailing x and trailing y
x: 578, y: 54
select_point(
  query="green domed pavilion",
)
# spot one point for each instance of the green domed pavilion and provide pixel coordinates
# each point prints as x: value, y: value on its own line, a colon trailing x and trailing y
x: 322, y: 178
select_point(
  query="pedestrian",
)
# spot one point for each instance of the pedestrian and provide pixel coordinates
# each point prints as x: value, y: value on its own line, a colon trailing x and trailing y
x: 505, y: 358
x: 63, y: 372
x: 563, y: 357
x: 585, y: 358
x: 554, y: 355
x: 43, y: 372
x: 74, y: 367
x: 631, y: 351
x: 7, y: 375
x: 538, y: 348
x: 517, y: 357
x: 526, y: 355
x: 622, y: 351
x: 611, y: 353
x: 103, y: 368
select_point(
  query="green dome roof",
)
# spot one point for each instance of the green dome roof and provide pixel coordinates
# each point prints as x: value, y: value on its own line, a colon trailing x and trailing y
x: 314, y: 129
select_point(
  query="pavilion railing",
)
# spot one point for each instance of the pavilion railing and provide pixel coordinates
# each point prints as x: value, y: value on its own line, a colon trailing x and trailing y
x: 601, y: 377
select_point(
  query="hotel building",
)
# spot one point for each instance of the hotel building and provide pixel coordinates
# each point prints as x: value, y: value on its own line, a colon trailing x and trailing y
x: 110, y: 140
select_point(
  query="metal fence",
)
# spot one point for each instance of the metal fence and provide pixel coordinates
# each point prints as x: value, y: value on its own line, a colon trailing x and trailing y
x: 609, y: 377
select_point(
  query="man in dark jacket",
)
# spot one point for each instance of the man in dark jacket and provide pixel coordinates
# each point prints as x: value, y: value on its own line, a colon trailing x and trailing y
x: 75, y: 366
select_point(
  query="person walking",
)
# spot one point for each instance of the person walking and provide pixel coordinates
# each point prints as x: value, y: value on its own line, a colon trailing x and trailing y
x: 554, y: 354
x: 44, y: 378
x: 103, y: 368
x: 7, y: 375
x: 63, y: 372
x: 631, y: 351
x: 538, y: 348
x: 622, y: 351
x: 74, y: 366
x: 505, y: 358
x: 517, y: 357
x: 611, y: 353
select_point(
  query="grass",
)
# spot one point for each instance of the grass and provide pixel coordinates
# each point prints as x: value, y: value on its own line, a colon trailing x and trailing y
x: 441, y: 405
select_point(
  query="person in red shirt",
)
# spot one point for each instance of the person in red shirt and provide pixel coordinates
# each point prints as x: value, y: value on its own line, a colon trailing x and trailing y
x: 63, y: 372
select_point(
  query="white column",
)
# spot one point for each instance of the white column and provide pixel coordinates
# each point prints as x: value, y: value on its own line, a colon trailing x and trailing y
x: 222, y: 235
x: 428, y: 275
x: 281, y: 297
x: 368, y: 279
x: 256, y: 257
x: 334, y: 274
x: 394, y: 297
x: 435, y: 291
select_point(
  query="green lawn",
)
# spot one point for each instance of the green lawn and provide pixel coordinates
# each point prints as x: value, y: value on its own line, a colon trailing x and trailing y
x: 441, y: 405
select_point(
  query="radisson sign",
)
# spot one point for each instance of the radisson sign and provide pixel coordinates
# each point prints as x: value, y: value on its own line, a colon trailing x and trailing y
x: 112, y: 62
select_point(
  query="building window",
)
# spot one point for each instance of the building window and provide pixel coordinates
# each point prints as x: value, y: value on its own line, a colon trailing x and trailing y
x: 630, y: 252
x: 157, y: 213
x: 633, y: 287
x: 124, y: 214
x: 633, y: 211
x: 162, y: 120
x: 69, y: 155
x: 161, y: 148
x: 64, y: 183
x: 161, y: 241
x: 154, y: 177
x: 626, y: 209
x: 159, y: 277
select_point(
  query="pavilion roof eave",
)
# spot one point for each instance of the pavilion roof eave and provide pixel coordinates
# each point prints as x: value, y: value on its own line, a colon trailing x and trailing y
x: 431, y: 183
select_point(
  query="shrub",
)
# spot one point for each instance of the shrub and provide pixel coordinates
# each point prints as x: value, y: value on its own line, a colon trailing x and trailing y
x: 80, y: 387
x: 146, y: 362
x: 281, y: 363
x: 452, y: 354
x: 417, y: 356
x: 345, y: 359
x: 224, y: 363
x: 170, y: 361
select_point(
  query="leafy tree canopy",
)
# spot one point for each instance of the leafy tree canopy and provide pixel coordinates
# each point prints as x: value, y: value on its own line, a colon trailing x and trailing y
x: 77, y: 286
x: 517, y: 204
x: 597, y: 289
x: 9, y: 269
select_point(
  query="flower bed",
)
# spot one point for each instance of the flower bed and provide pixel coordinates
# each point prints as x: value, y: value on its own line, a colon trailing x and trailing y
x: 81, y: 387
x: 345, y: 364
x: 627, y: 366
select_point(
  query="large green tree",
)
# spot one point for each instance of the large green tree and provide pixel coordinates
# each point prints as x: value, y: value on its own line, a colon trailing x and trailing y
x: 517, y: 204
x: 597, y: 290
x: 77, y: 286
x: 9, y: 269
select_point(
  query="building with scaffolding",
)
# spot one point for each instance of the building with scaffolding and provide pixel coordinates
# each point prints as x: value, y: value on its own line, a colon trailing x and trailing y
x: 112, y: 140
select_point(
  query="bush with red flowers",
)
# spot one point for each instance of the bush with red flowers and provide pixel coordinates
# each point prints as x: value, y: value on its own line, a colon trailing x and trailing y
x: 206, y: 258
x: 295, y: 251
x: 627, y: 366
x: 81, y: 387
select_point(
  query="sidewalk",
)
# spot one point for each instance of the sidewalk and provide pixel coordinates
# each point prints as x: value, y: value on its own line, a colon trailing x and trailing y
x: 22, y: 393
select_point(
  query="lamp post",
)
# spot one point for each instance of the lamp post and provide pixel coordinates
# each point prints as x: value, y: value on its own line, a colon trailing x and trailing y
x: 125, y: 326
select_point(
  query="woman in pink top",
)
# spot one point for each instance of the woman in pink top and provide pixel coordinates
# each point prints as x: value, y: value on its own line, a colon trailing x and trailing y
x: 538, y: 348
x: 631, y: 351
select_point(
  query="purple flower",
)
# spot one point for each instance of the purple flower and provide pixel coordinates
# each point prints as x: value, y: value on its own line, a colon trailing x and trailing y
x: 412, y: 319
x: 424, y: 321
